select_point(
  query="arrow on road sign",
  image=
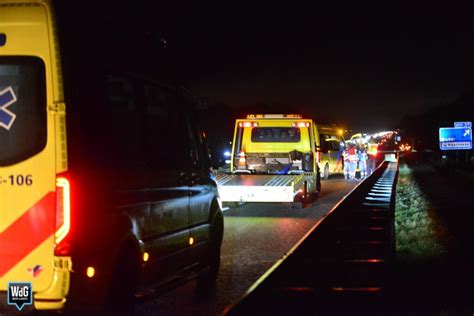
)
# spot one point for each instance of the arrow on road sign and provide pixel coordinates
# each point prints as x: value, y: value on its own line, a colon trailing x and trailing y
x: 7, y: 98
x: 466, y: 132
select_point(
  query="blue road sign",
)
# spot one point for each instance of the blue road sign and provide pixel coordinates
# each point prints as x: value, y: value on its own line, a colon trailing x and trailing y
x: 455, y: 138
x: 463, y: 124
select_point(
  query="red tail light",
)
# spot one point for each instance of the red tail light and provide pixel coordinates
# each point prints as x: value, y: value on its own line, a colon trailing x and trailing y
x: 242, y: 161
x: 63, y: 215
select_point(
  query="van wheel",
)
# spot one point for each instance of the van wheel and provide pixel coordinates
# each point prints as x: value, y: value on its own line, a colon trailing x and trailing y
x: 207, y: 279
x: 121, y: 297
x: 326, y: 172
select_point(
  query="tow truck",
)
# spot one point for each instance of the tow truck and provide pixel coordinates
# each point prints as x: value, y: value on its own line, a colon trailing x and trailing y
x: 274, y: 159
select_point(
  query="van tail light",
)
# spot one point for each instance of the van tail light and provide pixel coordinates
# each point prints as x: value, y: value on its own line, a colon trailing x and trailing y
x: 242, y: 161
x: 63, y: 216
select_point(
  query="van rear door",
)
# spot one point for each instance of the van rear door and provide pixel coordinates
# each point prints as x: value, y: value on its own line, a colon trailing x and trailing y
x: 27, y: 148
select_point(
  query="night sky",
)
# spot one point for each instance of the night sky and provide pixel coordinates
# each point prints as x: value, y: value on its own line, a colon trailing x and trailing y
x: 363, y: 67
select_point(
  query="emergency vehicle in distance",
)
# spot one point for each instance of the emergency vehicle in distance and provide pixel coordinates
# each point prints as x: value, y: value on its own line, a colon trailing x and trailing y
x: 275, y: 158
x: 105, y: 185
x: 331, y: 145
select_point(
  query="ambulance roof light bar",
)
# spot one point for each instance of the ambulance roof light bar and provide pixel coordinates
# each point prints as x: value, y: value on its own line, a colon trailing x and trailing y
x: 273, y: 116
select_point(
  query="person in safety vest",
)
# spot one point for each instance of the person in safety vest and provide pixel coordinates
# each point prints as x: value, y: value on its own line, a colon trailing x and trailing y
x: 353, y: 158
x: 363, y: 162
x: 345, y: 157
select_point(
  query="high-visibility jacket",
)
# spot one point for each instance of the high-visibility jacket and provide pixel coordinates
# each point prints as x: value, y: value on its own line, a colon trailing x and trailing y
x: 352, y: 155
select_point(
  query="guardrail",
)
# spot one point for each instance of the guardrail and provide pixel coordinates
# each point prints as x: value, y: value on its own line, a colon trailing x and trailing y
x: 342, y: 265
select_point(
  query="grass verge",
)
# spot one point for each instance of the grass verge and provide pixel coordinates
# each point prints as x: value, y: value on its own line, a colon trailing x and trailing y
x: 420, y: 234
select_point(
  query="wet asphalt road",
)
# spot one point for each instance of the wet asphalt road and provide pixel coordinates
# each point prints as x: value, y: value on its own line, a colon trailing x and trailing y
x: 255, y: 237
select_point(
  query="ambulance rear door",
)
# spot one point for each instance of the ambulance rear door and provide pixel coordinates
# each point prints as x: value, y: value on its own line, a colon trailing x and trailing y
x: 27, y: 147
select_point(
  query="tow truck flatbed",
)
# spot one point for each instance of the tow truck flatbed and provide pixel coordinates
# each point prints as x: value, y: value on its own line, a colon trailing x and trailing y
x: 260, y: 188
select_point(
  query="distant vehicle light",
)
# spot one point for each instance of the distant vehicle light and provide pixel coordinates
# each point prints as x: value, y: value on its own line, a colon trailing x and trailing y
x: 227, y: 153
x: 191, y: 241
x: 90, y: 272
x: 405, y: 147
x: 146, y: 256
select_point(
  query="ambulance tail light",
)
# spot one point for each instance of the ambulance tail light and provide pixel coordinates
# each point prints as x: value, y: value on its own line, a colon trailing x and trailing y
x: 63, y: 216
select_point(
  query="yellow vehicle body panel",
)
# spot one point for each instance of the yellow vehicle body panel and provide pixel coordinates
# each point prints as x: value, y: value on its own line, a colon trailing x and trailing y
x: 307, y: 144
x: 29, y: 30
x: 304, y: 145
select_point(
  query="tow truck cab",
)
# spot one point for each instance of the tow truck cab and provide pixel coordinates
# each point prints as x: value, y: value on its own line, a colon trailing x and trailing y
x: 274, y: 144
x: 274, y: 159
x: 286, y: 144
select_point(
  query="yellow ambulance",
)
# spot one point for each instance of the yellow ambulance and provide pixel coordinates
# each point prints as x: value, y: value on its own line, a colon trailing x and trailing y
x: 34, y: 188
x: 331, y: 144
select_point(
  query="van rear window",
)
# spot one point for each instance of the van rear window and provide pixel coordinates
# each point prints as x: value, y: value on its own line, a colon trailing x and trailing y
x: 22, y: 108
x: 276, y: 135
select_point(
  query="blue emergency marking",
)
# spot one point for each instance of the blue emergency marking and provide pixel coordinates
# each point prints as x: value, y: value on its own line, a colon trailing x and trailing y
x: 7, y: 97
